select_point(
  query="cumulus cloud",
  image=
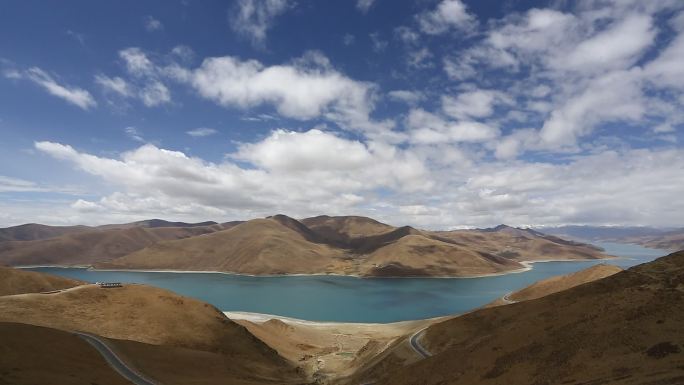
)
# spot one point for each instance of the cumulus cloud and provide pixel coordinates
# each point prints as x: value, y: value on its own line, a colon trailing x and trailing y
x: 253, y: 18
x: 406, y: 96
x: 305, y: 89
x: 74, y: 95
x: 428, y: 128
x: 449, y: 14
x: 312, y: 171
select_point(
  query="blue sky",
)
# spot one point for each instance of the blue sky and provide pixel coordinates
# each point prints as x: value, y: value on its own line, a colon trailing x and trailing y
x: 435, y: 113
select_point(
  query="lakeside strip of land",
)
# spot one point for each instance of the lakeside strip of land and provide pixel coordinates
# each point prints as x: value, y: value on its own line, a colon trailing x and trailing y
x: 528, y: 265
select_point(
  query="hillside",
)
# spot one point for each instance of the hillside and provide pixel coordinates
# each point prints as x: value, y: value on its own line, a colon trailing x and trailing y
x: 259, y: 246
x: 625, y: 328
x: 35, y: 231
x: 282, y: 245
x: 522, y: 244
x: 36, y: 355
x: 185, y: 327
x: 559, y: 283
x: 85, y: 247
x: 15, y: 281
x: 349, y: 245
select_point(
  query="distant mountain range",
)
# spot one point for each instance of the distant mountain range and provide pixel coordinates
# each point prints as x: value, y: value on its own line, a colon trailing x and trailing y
x: 348, y: 245
x: 666, y: 239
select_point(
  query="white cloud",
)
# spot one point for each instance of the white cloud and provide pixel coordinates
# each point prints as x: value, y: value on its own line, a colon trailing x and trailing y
x: 616, y: 96
x: 616, y: 47
x: 428, y: 128
x: 474, y: 104
x: 136, y: 61
x: 201, y: 132
x: 406, y: 96
x: 154, y: 94
x: 312, y: 171
x: 133, y: 133
x: 306, y: 89
x: 253, y: 18
x: 379, y: 44
x: 74, y: 95
x: 364, y: 5
x: 348, y: 39
x: 152, y: 24
x: 447, y: 15
x: 115, y: 85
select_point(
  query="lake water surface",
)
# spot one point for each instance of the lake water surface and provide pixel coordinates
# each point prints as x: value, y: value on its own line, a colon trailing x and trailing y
x: 349, y: 299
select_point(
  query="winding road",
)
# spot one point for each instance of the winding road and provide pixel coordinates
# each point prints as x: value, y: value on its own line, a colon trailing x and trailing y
x: 506, y: 298
x: 415, y: 344
x: 115, y: 361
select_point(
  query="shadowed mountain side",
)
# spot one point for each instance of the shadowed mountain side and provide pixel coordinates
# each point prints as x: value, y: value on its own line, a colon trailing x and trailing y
x: 558, y: 283
x: 625, y: 329
x: 418, y: 255
x: 35, y: 231
x: 32, y: 355
x: 341, y: 230
x: 87, y: 247
x: 281, y: 245
x: 137, y: 312
x: 259, y: 246
x: 522, y: 244
x: 15, y: 281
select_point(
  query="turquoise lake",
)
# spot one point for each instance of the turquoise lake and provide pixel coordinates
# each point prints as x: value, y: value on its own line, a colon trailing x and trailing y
x: 349, y: 299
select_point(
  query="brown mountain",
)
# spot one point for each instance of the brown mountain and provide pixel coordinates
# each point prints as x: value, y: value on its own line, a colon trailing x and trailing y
x: 558, y: 283
x: 283, y: 245
x: 84, y: 247
x: 350, y: 245
x: 168, y: 328
x: 35, y: 231
x: 522, y: 244
x: 15, y: 281
x: 625, y: 328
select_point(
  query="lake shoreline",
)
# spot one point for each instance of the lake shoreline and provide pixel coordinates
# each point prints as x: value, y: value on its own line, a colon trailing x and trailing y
x: 527, y: 266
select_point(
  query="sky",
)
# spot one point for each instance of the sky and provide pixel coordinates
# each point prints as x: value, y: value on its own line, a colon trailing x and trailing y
x: 439, y: 114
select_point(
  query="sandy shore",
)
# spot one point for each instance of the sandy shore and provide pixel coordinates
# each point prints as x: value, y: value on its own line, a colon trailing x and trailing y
x: 325, y: 350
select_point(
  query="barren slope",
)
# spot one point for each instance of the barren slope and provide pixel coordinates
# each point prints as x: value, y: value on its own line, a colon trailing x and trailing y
x: 259, y: 246
x: 558, y: 283
x: 419, y: 255
x: 522, y: 244
x: 31, y: 355
x: 87, y: 247
x: 624, y: 329
x: 152, y: 316
x: 16, y: 281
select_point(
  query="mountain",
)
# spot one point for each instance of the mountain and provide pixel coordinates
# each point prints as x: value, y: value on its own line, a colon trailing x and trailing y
x: 15, y: 281
x: 663, y: 239
x: 259, y: 246
x: 342, y: 230
x: 283, y: 245
x: 350, y: 245
x: 85, y: 247
x: 34, y: 231
x: 166, y: 328
x: 625, y: 328
x: 157, y: 223
x: 521, y: 244
x: 602, y: 233
x: 558, y: 283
